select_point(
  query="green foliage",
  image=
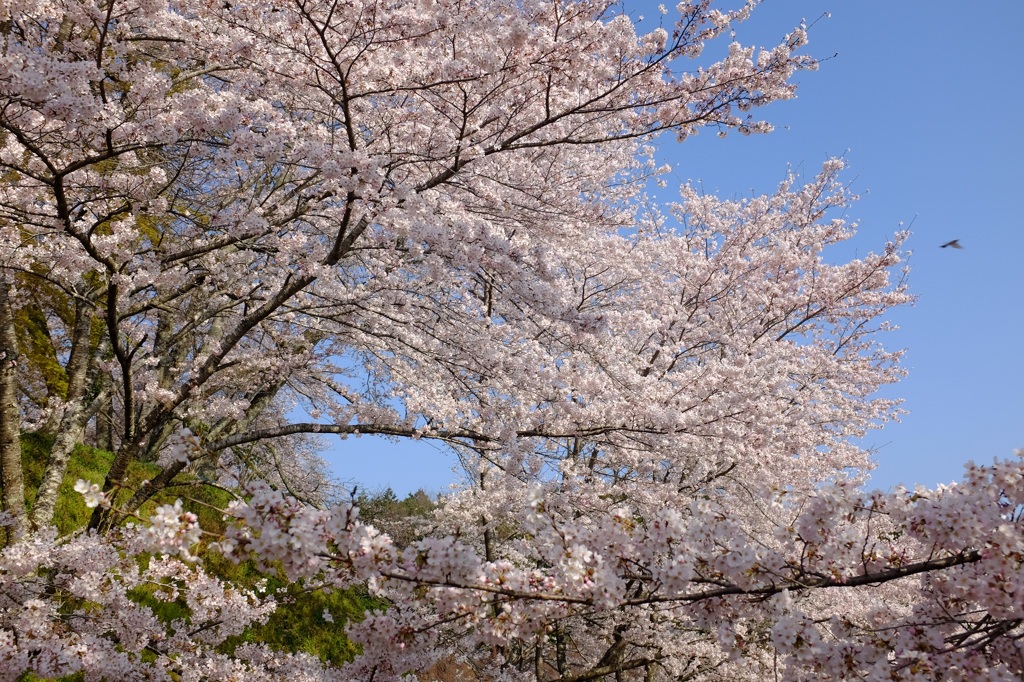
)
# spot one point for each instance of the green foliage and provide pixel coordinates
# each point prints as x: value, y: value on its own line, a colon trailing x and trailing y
x: 401, y: 519
x: 29, y: 677
x: 299, y: 623
x: 310, y: 621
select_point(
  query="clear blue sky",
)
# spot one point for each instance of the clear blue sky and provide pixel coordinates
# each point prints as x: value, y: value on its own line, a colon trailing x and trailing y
x: 922, y: 100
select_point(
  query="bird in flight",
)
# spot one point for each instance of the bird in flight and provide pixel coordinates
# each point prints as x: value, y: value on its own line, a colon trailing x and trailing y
x: 955, y: 244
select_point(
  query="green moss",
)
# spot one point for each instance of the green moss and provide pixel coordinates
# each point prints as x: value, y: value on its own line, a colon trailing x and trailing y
x: 35, y: 448
x: 37, y: 347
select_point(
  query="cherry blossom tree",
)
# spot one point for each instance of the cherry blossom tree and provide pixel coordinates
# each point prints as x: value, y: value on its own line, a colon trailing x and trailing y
x: 428, y: 220
x: 231, y: 225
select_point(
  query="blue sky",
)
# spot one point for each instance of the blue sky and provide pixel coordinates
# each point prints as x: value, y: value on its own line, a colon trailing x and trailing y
x: 922, y: 100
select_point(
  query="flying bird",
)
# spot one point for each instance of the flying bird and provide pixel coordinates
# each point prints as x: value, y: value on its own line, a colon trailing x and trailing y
x: 955, y: 244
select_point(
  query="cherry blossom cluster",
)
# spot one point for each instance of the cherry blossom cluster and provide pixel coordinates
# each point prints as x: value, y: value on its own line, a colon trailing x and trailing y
x: 679, y: 584
x: 794, y: 596
x: 78, y: 606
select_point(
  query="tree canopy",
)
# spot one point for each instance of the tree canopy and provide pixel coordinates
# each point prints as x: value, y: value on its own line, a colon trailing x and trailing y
x: 228, y: 227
